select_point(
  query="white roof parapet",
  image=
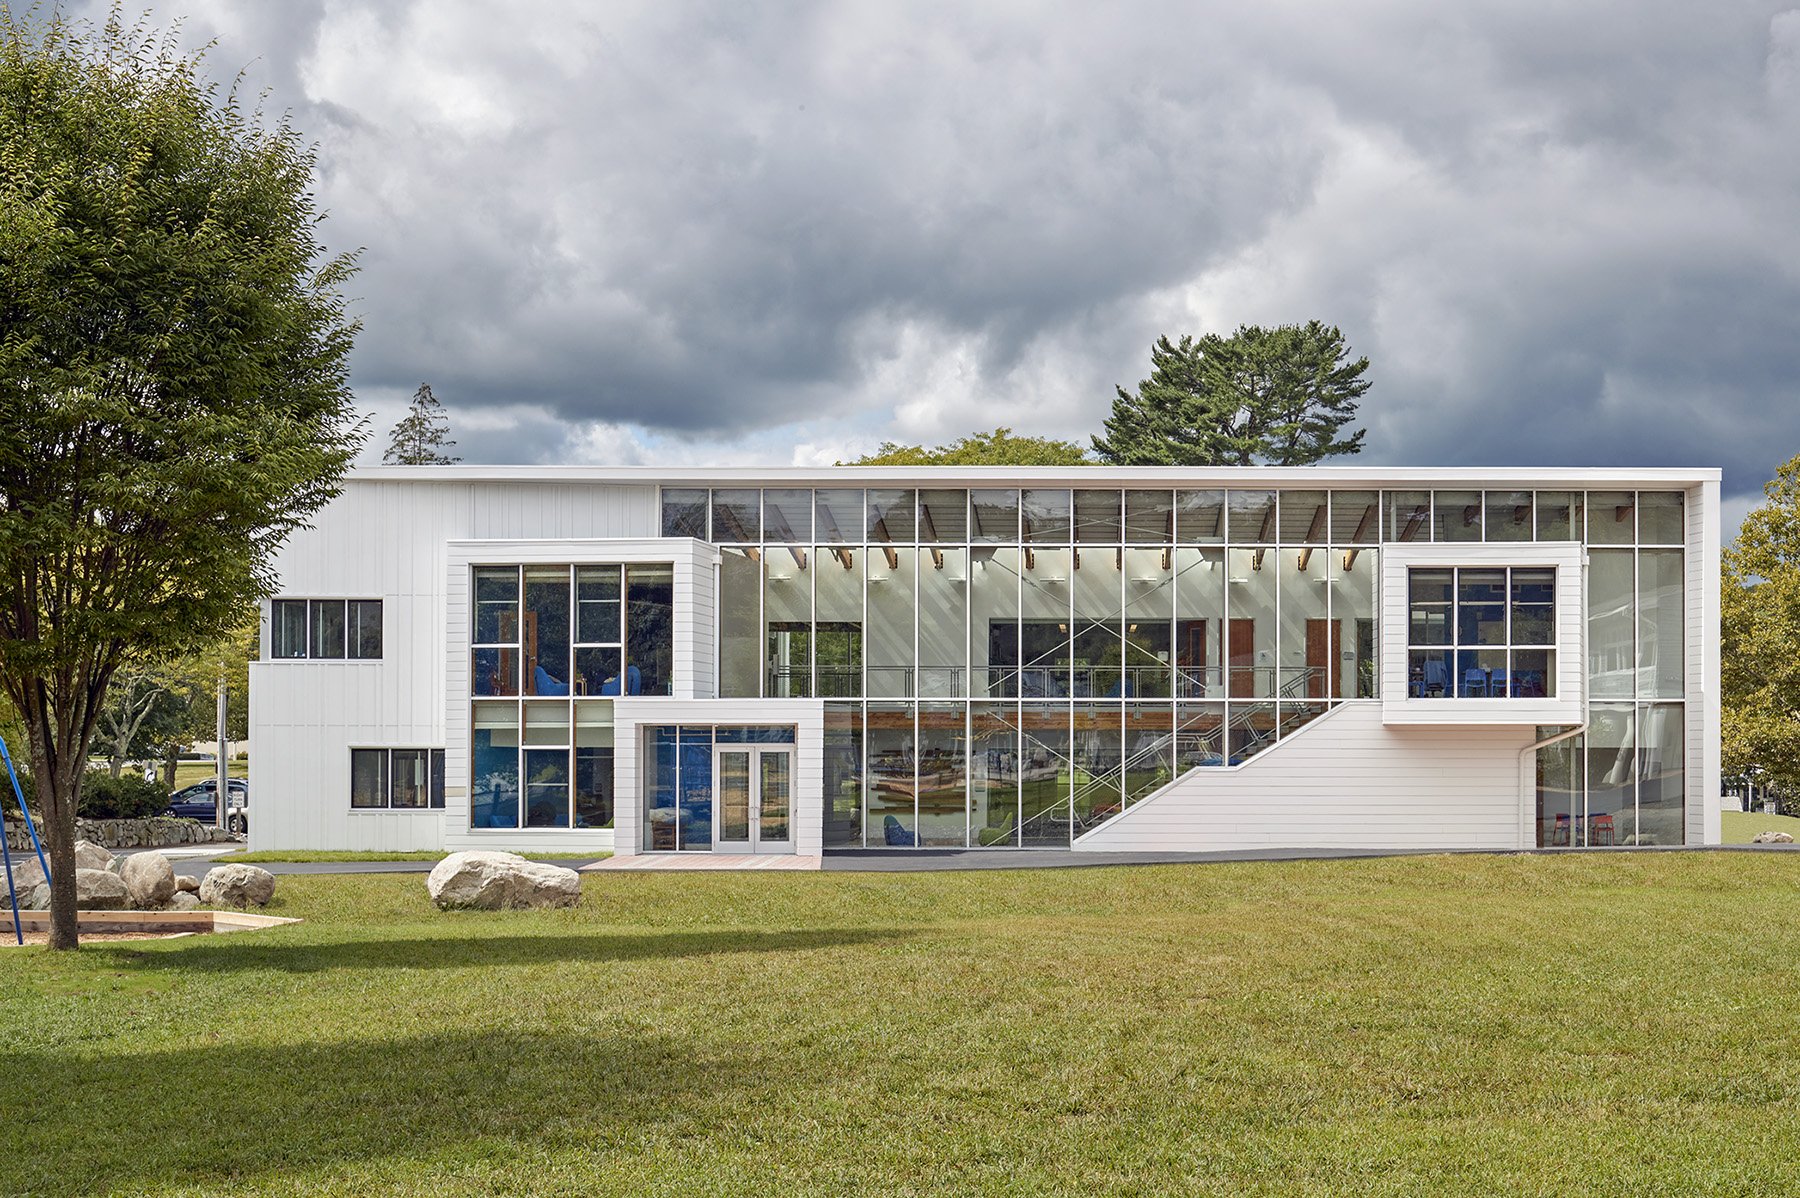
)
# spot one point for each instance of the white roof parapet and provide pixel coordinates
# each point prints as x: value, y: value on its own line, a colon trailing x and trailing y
x: 1371, y: 477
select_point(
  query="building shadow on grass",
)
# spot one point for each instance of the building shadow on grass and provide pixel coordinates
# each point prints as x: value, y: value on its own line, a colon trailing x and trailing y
x: 461, y: 947
x: 210, y: 1121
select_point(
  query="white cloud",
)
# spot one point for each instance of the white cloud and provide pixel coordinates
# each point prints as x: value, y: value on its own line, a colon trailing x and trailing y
x: 678, y: 232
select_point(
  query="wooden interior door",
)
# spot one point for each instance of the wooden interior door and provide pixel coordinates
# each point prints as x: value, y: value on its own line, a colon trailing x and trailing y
x: 1192, y: 659
x: 1240, y: 647
x: 1324, y: 650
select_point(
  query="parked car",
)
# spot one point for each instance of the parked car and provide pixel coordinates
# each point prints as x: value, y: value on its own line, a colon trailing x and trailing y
x: 199, y: 802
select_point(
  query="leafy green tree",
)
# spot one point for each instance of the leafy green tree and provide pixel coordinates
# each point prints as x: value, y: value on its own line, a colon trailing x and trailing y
x: 173, y: 391
x: 998, y: 448
x: 1277, y: 397
x: 1759, y: 610
x: 422, y: 435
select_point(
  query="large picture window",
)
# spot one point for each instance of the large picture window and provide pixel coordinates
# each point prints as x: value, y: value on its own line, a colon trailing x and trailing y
x: 325, y: 629
x: 1481, y: 632
x: 396, y: 779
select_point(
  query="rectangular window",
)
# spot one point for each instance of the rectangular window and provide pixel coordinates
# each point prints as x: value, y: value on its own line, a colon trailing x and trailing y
x: 1481, y: 632
x: 327, y: 640
x: 363, y: 620
x: 287, y: 628
x: 650, y: 629
x: 325, y: 629
x: 399, y: 779
x: 684, y: 513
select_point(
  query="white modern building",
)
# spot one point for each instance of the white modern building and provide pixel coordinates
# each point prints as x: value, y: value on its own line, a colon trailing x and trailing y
x: 803, y: 661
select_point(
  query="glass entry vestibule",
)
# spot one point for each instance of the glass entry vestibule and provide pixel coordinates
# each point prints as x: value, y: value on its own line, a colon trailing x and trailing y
x: 710, y: 788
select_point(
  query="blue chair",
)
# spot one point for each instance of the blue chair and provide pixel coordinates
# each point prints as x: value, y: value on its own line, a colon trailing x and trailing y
x: 1437, y: 676
x: 634, y: 681
x: 895, y: 833
x: 544, y: 683
x: 1497, y: 684
x: 1475, y: 683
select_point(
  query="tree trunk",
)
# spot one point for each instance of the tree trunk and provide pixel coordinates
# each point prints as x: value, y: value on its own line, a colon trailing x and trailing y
x: 115, y: 763
x: 171, y: 756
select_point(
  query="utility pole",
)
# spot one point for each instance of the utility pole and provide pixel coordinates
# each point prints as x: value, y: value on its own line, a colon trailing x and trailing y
x: 223, y: 798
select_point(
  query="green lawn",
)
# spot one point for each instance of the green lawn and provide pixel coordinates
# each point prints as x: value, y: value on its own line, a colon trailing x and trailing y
x: 189, y: 772
x: 326, y: 855
x: 1571, y: 1024
x: 1741, y: 827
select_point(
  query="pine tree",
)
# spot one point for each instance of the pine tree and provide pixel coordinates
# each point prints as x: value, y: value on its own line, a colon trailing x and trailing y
x: 422, y: 435
x: 1277, y: 397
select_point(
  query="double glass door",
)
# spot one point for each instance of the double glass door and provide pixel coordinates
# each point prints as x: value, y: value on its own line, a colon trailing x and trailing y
x: 754, y: 787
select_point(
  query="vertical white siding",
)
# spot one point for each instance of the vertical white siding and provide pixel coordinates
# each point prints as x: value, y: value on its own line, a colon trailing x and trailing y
x: 389, y: 539
x: 1702, y: 610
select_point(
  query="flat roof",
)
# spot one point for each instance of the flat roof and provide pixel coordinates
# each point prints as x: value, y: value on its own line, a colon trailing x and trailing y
x: 1370, y: 477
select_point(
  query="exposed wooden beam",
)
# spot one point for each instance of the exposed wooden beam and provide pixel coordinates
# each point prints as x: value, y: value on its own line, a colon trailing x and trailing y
x: 843, y: 556
x: 887, y: 548
x: 799, y: 555
x: 1366, y: 526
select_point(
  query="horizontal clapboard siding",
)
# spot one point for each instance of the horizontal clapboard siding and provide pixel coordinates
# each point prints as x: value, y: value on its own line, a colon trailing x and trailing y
x: 1348, y: 780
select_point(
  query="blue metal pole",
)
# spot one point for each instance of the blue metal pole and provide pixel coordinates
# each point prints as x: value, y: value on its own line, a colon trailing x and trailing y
x: 12, y: 892
x: 25, y: 811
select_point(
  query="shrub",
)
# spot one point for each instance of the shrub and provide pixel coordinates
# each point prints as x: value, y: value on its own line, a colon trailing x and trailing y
x: 125, y: 797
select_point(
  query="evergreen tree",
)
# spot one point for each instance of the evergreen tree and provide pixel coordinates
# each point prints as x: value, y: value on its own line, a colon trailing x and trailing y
x: 1278, y: 397
x: 422, y: 435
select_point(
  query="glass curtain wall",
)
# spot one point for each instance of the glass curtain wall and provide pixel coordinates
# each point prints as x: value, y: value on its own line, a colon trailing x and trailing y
x: 1010, y: 667
x: 549, y: 648
x: 1623, y: 782
x: 1053, y: 655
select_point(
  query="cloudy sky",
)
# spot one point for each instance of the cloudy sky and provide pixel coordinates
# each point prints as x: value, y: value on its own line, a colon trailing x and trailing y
x: 783, y: 232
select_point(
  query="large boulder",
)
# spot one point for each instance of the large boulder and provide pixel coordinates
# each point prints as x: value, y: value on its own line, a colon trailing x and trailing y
x: 237, y: 886
x: 89, y: 855
x: 499, y: 881
x: 184, y: 901
x: 149, y: 879
x: 26, y: 873
x: 187, y: 883
x: 100, y: 890
x: 37, y: 899
x: 1772, y: 838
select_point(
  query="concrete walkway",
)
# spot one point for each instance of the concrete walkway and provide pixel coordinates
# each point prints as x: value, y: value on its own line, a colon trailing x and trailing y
x: 667, y: 862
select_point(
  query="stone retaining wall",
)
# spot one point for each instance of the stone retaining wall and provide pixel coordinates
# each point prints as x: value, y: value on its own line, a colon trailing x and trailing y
x: 153, y: 833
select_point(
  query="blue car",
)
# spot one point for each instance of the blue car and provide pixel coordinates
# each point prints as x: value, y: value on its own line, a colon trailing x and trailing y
x: 198, y: 802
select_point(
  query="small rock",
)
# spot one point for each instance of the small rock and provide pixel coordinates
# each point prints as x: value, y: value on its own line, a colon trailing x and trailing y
x: 1772, y: 838
x: 187, y: 883
x: 89, y: 855
x: 99, y: 890
x: 184, y: 900
x: 149, y: 879
x: 239, y: 886
x: 494, y: 881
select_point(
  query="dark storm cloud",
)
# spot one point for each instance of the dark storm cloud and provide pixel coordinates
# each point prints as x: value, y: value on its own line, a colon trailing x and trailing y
x: 1564, y: 233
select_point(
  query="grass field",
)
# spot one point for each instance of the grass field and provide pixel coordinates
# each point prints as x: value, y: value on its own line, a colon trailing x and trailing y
x: 1569, y: 1024
x: 329, y: 855
x: 189, y: 772
x: 1741, y: 827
